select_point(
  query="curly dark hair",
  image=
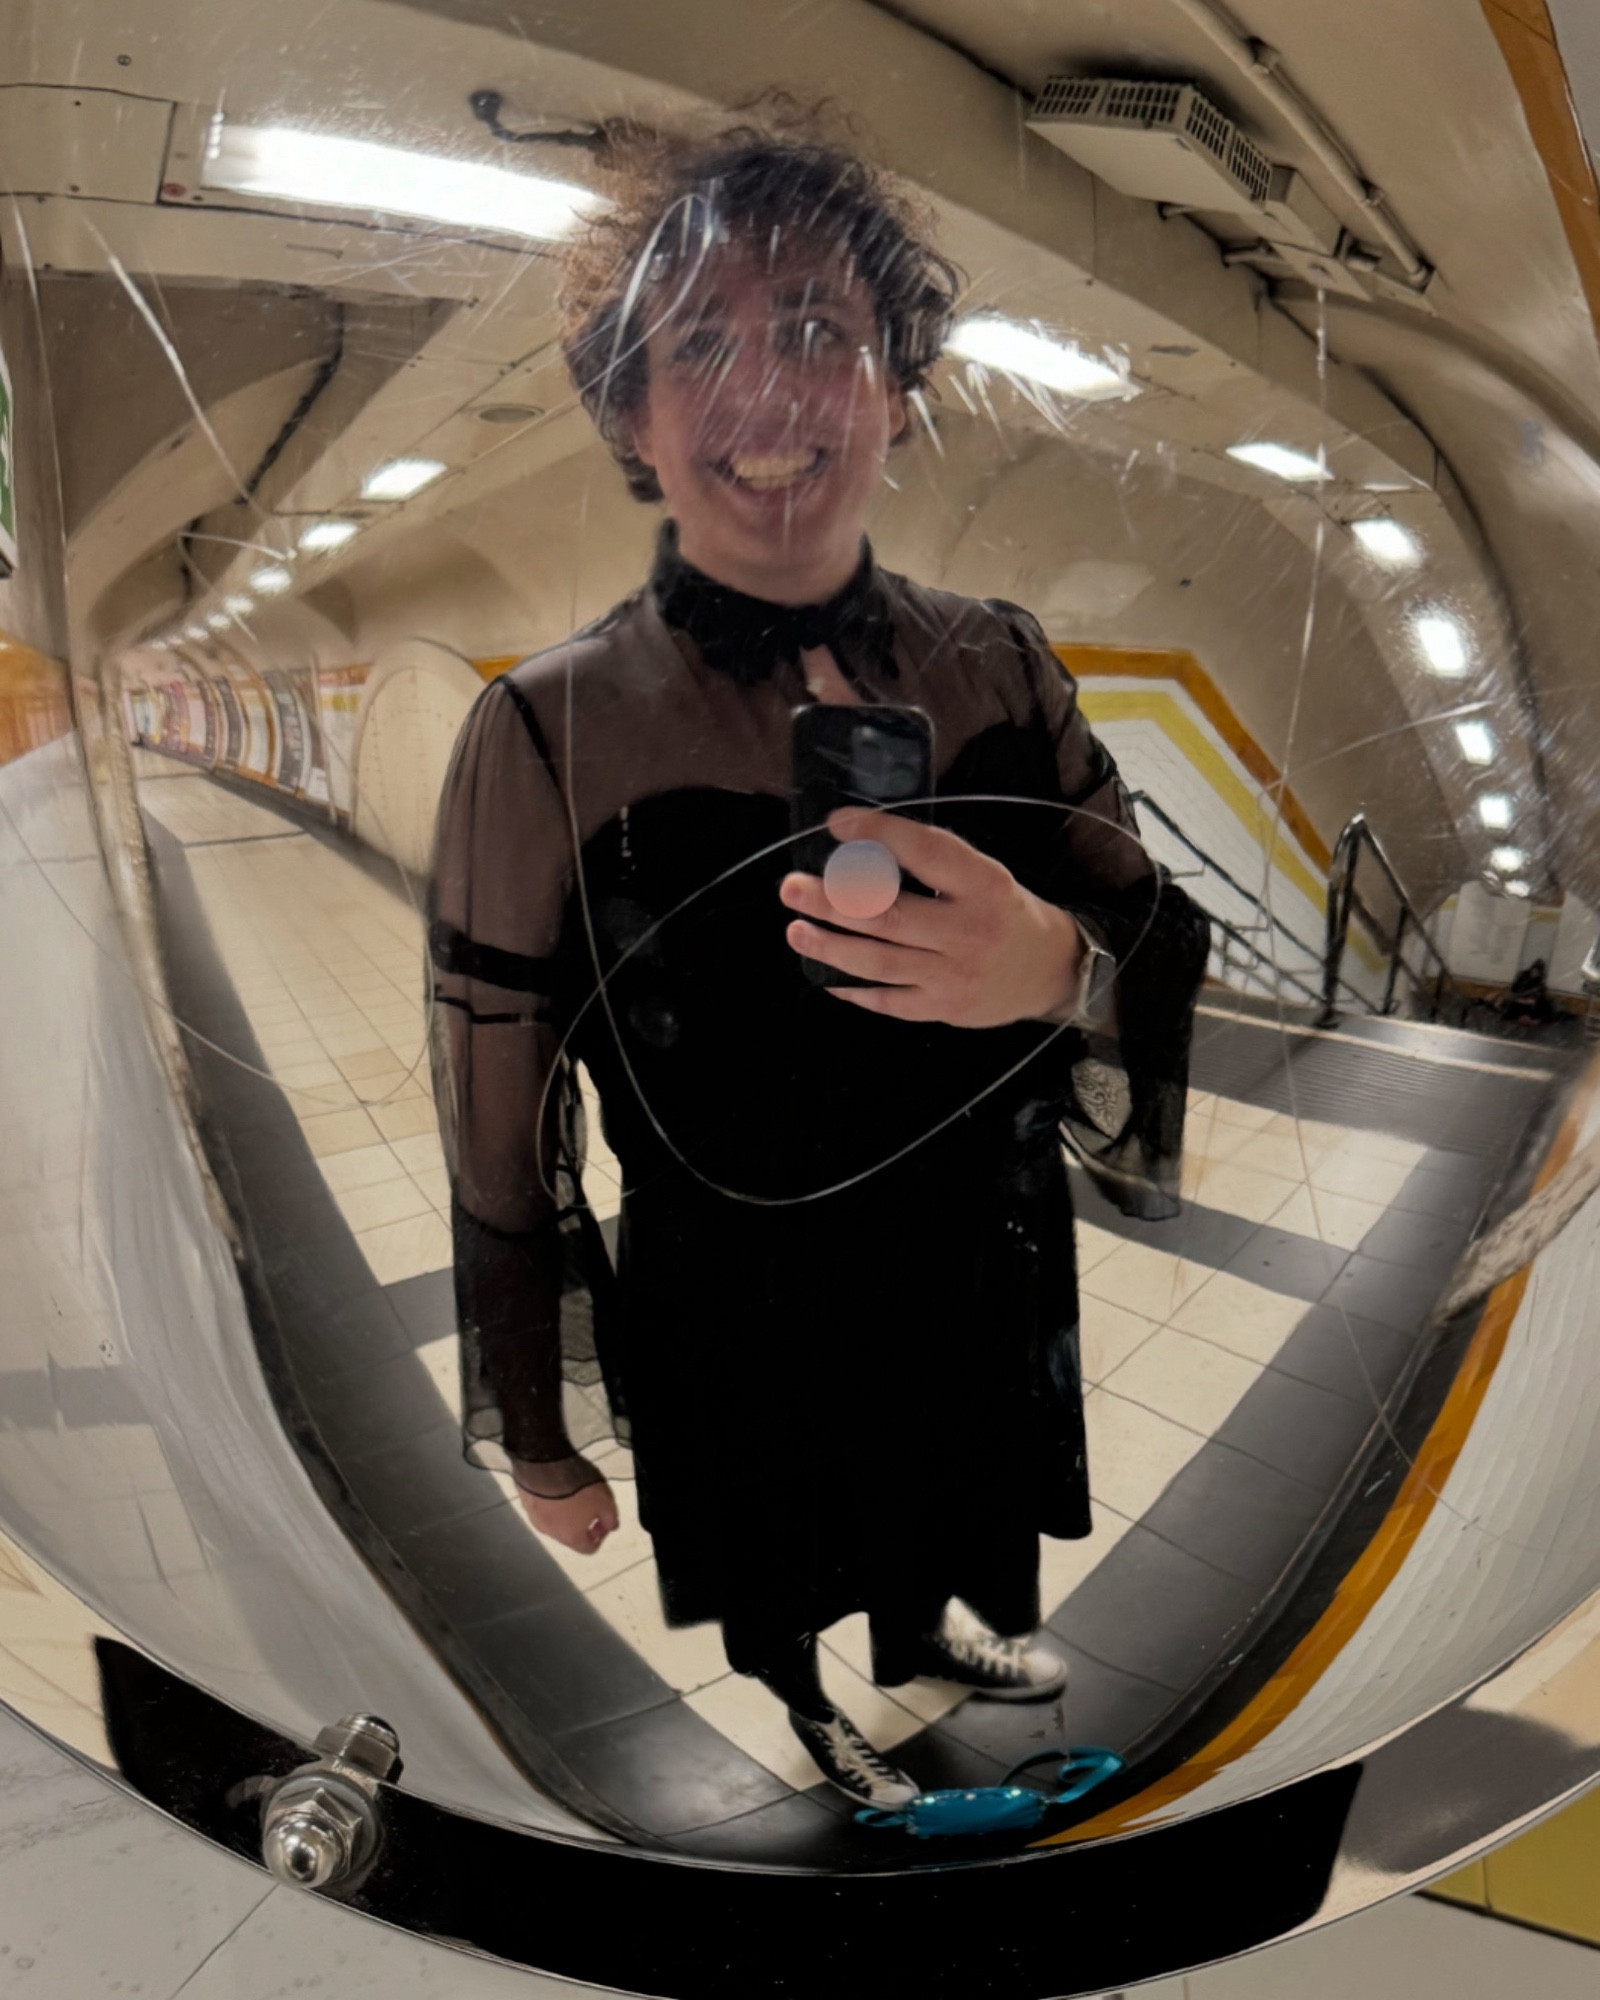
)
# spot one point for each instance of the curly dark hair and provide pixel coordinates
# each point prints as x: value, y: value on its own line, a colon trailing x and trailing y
x: 672, y: 197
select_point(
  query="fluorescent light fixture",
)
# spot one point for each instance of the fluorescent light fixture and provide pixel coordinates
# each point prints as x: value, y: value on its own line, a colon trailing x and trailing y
x: 1387, y: 542
x: 1518, y: 889
x: 1477, y: 742
x: 239, y: 606
x: 276, y: 160
x: 218, y: 622
x: 1494, y: 811
x: 1281, y: 461
x: 1507, y: 860
x: 271, y: 581
x: 194, y: 631
x: 1034, y: 356
x: 322, y: 536
x: 1442, y: 643
x: 401, y: 477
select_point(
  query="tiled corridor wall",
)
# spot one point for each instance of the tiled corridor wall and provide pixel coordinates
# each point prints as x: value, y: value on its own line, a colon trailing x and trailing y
x: 1175, y: 740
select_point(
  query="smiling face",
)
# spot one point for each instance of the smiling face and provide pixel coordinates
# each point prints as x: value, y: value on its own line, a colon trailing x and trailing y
x: 767, y: 418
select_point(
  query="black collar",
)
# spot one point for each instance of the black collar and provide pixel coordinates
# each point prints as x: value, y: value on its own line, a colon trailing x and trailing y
x: 747, y: 637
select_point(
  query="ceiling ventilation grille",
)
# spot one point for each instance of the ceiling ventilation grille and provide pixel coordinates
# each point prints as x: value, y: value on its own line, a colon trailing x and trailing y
x: 1162, y: 141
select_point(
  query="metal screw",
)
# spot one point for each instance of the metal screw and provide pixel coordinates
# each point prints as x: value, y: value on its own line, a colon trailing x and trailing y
x: 321, y: 1824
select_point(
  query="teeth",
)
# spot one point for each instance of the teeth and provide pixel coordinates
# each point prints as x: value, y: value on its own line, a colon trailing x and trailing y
x: 769, y: 469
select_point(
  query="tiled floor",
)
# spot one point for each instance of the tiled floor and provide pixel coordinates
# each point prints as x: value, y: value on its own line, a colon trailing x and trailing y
x: 1235, y: 1359
x: 328, y: 967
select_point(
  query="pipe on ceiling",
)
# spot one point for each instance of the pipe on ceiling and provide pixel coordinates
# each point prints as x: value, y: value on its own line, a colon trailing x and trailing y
x: 1261, y: 64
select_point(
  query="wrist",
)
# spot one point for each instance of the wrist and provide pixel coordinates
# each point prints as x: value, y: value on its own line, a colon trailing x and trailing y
x: 1068, y: 957
x: 1089, y: 1000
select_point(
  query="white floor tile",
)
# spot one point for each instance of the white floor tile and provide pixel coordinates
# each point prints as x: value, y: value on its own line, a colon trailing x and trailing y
x: 364, y: 1063
x: 1232, y: 1111
x: 1274, y: 1153
x: 1247, y: 1319
x: 686, y: 1658
x: 1134, y: 1452
x: 1188, y: 1380
x: 367, y: 1208
x: 339, y: 1131
x: 1065, y: 1565
x: 1362, y: 1175
x: 1409, y: 1949
x: 1150, y: 1282
x: 1340, y: 1219
x: 366, y: 1166
x: 405, y: 1118
x: 1108, y: 1334
x: 850, y: 1641
x: 1242, y: 1190
x: 442, y: 1359
x: 1095, y: 1245
x: 419, y: 1153
x: 98, y: 1894
x: 757, y: 1723
x: 396, y: 1251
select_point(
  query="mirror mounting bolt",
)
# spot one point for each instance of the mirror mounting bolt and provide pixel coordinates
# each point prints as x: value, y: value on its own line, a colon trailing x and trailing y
x: 321, y: 1825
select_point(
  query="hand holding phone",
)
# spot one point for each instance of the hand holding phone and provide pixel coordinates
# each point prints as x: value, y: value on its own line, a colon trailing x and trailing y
x: 850, y: 755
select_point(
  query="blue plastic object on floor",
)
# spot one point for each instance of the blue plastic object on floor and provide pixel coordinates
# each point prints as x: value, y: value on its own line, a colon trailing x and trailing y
x: 1002, y: 1808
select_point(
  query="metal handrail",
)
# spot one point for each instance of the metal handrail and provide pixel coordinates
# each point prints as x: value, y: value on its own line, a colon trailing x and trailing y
x: 1265, y: 958
x: 1144, y: 801
x: 1342, y: 901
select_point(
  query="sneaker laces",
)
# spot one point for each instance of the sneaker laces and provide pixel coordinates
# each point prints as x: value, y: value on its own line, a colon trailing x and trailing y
x: 853, y: 1753
x: 987, y: 1653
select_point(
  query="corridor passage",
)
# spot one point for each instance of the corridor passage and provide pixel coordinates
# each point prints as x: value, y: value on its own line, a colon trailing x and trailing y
x: 1237, y: 1359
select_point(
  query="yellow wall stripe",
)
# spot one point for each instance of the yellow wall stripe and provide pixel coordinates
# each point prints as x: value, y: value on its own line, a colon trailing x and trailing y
x: 1379, y: 1562
x: 1250, y: 808
x: 1178, y: 664
x: 35, y: 702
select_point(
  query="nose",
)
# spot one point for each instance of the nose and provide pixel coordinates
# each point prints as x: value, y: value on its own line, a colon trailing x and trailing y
x: 756, y: 392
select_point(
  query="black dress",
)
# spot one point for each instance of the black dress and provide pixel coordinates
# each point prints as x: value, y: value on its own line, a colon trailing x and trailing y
x: 842, y: 1336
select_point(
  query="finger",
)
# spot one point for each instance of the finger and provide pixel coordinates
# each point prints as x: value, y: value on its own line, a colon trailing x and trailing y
x: 901, y: 1003
x: 938, y: 859
x: 866, y: 958
x: 919, y: 922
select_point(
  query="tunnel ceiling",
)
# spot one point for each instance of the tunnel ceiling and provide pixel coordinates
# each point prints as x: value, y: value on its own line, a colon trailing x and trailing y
x: 1491, y: 399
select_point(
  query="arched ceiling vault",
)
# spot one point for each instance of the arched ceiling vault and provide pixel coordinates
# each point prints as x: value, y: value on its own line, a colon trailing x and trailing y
x: 939, y: 89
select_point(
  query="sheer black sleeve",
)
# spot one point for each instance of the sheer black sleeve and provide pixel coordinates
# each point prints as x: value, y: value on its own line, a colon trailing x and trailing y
x: 1130, y: 1086
x: 502, y: 873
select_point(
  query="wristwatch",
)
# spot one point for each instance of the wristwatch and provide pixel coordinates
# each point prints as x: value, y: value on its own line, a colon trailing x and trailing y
x: 1097, y: 978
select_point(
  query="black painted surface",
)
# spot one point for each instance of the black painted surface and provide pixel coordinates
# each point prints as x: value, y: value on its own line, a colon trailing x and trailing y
x: 1047, y: 1922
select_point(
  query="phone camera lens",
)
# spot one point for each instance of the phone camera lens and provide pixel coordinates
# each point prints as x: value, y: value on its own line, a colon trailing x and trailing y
x: 882, y: 767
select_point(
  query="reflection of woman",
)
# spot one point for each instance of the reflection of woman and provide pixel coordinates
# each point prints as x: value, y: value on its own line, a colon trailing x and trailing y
x: 845, y: 1336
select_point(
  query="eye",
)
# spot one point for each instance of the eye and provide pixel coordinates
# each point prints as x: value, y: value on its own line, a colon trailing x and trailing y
x: 695, y: 349
x: 810, y: 339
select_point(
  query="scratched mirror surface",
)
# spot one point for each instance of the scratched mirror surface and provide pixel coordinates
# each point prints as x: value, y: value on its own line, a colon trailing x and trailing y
x: 800, y: 893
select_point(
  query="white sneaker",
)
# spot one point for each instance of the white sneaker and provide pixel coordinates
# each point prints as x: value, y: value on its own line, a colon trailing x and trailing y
x: 996, y: 1669
x: 850, y: 1764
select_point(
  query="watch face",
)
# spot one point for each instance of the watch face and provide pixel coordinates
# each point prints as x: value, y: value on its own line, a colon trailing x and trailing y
x: 1099, y: 973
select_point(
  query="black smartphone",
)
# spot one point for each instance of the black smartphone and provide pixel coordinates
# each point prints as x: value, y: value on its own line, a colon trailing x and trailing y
x: 854, y: 756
